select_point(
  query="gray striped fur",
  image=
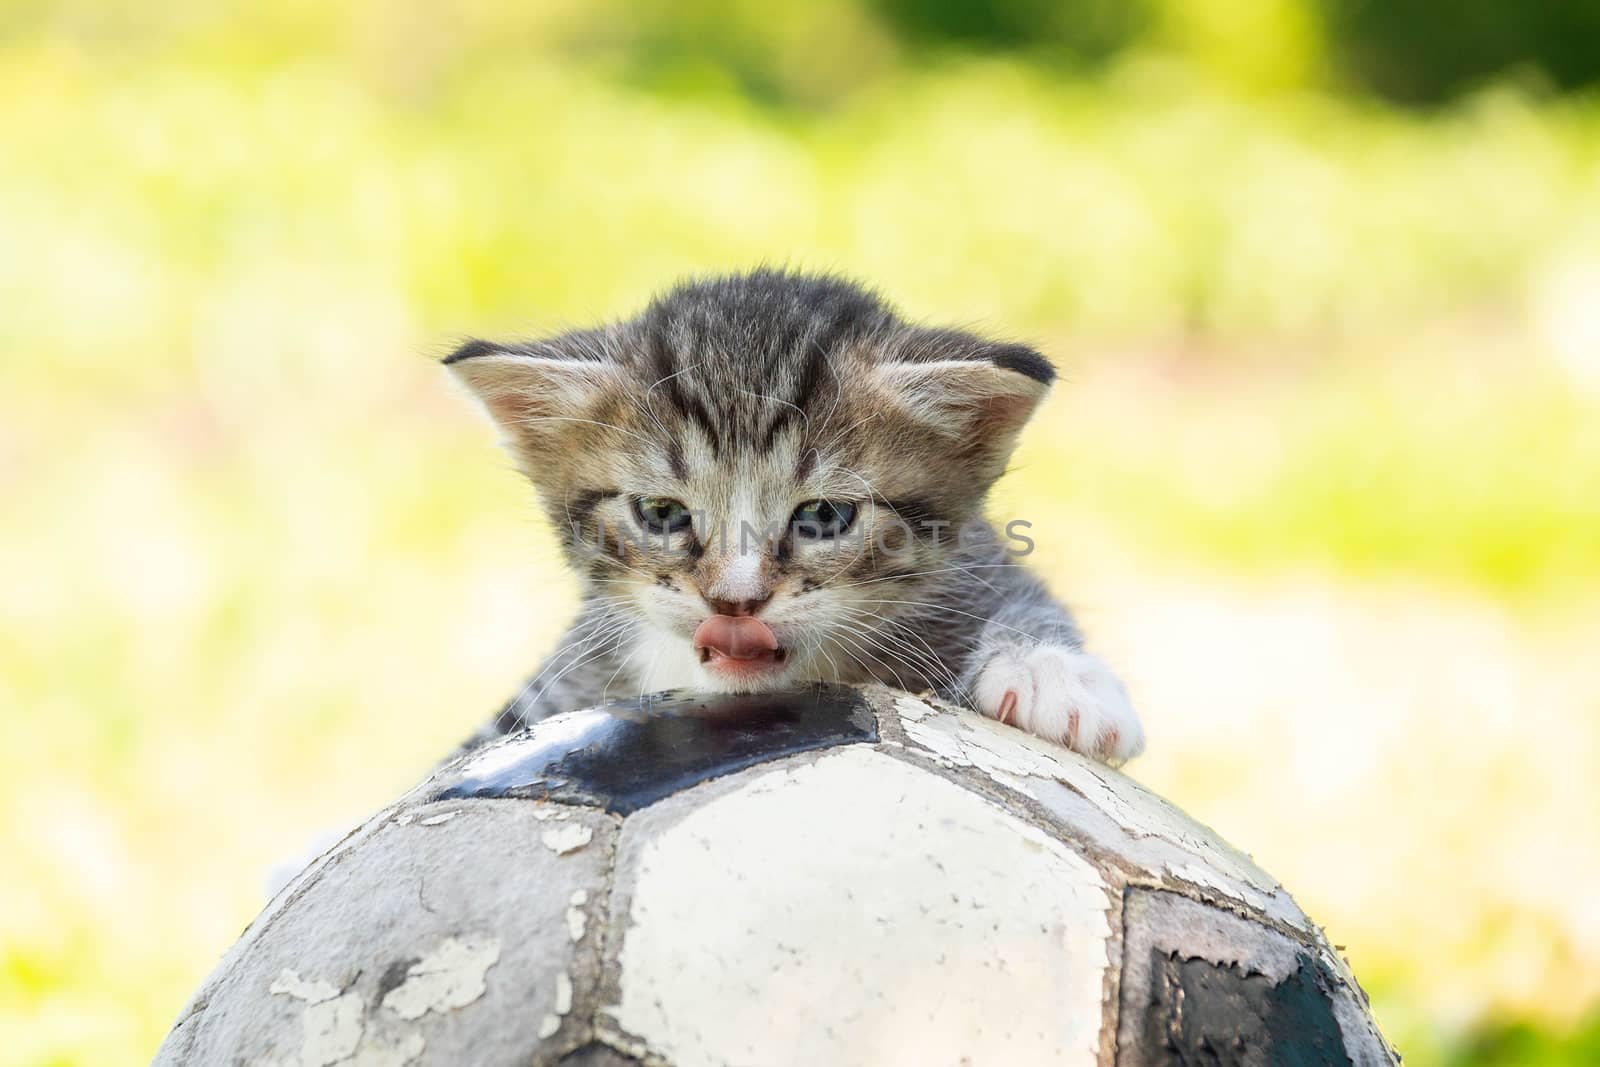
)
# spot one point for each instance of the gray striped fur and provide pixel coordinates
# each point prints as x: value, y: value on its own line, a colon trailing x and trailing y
x: 740, y: 396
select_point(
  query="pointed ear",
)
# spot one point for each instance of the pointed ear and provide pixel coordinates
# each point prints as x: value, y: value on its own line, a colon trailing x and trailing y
x: 534, y: 392
x: 968, y: 390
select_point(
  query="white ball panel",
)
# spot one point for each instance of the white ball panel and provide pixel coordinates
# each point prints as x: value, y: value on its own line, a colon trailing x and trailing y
x: 859, y: 910
x: 1114, y: 811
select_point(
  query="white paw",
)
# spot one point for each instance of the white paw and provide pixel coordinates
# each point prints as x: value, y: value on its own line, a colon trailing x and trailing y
x: 1061, y: 695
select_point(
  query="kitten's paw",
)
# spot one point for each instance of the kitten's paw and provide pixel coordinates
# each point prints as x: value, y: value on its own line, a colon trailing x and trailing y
x: 1061, y: 695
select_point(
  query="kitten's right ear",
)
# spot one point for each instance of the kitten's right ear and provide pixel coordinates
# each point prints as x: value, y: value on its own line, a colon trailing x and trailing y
x: 532, y: 391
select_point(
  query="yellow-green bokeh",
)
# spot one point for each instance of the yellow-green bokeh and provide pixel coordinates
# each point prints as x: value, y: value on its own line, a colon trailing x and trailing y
x: 1323, y: 472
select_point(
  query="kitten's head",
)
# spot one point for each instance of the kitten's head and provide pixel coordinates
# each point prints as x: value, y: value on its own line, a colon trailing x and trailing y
x: 766, y: 459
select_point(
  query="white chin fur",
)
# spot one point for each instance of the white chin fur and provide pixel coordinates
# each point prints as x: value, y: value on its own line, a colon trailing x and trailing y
x: 717, y: 682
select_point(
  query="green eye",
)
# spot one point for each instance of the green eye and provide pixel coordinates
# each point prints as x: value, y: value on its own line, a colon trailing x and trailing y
x: 822, y: 519
x: 660, y: 514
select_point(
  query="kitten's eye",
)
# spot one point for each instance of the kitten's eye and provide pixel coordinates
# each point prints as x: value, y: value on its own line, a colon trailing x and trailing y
x: 823, y: 518
x: 660, y: 514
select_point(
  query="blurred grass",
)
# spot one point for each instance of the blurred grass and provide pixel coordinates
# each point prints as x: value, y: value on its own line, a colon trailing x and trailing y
x: 1336, y: 364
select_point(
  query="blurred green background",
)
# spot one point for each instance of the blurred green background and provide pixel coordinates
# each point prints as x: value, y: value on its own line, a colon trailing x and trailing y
x: 1323, y: 475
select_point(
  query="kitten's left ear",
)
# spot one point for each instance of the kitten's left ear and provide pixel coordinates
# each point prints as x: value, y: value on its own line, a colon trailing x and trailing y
x: 967, y: 389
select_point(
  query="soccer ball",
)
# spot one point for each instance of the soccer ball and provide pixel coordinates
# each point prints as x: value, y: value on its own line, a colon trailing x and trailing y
x: 827, y: 876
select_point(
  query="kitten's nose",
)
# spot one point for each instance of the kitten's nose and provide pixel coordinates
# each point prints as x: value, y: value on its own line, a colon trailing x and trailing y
x: 736, y: 607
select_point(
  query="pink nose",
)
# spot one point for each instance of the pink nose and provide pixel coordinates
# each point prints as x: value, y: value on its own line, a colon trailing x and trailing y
x: 735, y: 636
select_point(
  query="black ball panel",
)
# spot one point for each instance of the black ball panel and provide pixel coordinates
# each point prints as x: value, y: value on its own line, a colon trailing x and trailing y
x: 628, y: 755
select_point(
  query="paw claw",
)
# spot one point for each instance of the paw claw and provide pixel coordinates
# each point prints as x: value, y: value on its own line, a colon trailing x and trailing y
x: 1008, y: 707
x: 1064, y: 695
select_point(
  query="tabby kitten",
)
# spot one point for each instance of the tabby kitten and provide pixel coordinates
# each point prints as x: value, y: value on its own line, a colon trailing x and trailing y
x: 770, y: 478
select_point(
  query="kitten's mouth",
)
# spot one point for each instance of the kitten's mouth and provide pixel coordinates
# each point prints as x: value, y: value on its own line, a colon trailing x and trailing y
x: 739, y: 646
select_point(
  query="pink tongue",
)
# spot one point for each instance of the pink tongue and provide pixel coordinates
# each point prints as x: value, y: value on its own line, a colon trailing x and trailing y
x: 735, y: 636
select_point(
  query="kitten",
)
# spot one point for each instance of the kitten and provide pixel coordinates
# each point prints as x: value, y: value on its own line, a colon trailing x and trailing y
x: 770, y: 478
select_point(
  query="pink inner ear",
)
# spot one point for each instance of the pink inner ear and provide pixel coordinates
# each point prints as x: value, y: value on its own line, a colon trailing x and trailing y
x: 1004, y: 414
x: 967, y: 397
x: 521, y: 392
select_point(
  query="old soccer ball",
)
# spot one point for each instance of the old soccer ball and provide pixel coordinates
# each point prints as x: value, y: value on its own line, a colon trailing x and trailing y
x: 829, y: 876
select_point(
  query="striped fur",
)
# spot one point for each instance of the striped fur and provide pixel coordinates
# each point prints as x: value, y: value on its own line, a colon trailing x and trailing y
x: 744, y: 396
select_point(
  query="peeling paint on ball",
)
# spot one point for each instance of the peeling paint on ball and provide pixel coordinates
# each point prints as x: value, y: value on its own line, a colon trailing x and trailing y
x: 830, y: 875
